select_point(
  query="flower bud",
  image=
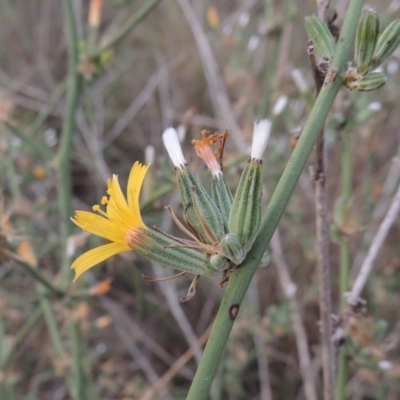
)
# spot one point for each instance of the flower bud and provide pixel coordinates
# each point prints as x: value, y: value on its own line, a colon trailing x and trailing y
x: 163, y: 249
x: 232, y: 249
x: 201, y: 213
x: 322, y: 38
x: 387, y: 43
x: 220, y: 192
x: 245, y: 216
x: 366, y: 39
x: 218, y: 263
x: 366, y: 83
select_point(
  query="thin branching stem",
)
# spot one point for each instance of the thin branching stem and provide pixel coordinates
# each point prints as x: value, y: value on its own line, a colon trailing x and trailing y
x: 135, y: 20
x: 322, y: 247
x: 18, y: 338
x: 68, y: 130
x: 240, y: 280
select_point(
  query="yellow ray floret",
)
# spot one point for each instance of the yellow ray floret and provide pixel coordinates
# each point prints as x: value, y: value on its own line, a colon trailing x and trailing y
x: 120, y: 216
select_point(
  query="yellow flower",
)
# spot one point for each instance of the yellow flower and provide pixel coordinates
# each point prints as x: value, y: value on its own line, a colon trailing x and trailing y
x: 121, y: 215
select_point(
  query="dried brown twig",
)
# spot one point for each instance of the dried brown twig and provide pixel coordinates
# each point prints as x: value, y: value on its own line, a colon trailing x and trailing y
x: 322, y: 247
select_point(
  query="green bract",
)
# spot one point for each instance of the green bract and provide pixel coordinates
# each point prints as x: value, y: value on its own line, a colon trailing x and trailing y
x: 371, y: 81
x: 201, y: 211
x: 322, y: 38
x: 222, y: 196
x: 366, y: 39
x: 387, y: 43
x: 245, y: 217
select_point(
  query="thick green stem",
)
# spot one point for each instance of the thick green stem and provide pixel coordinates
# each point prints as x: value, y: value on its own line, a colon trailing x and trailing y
x: 240, y: 280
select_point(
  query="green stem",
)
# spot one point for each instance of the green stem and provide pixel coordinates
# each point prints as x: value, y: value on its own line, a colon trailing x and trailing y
x: 52, y: 326
x: 22, y: 333
x: 269, y: 79
x: 136, y: 19
x: 35, y: 273
x: 55, y: 336
x: 6, y: 392
x: 345, y: 261
x: 77, y: 354
x: 76, y: 380
x: 68, y: 129
x: 240, y: 280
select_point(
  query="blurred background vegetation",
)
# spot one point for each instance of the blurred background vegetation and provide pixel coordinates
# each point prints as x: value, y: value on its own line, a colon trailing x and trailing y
x: 141, y: 67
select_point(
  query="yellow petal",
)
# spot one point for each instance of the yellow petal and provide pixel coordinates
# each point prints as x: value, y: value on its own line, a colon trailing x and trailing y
x: 117, y: 207
x: 96, y: 256
x: 135, y: 182
x: 99, y: 226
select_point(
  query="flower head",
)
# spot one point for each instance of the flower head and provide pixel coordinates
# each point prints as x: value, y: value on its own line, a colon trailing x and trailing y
x: 113, y: 224
x: 204, y: 150
x: 122, y: 224
x: 201, y: 213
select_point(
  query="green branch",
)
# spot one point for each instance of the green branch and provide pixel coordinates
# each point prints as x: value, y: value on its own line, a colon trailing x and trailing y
x: 240, y: 280
x: 136, y: 19
x: 68, y: 130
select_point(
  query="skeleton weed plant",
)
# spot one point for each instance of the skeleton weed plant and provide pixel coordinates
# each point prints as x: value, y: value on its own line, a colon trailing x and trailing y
x: 226, y: 235
x: 221, y: 228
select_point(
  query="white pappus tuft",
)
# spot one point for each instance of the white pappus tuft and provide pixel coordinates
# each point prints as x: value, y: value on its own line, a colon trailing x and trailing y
x: 171, y: 143
x: 280, y: 105
x: 261, y: 132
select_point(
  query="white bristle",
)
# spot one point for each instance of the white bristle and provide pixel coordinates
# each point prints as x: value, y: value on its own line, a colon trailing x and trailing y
x: 280, y: 105
x: 261, y: 132
x: 171, y: 143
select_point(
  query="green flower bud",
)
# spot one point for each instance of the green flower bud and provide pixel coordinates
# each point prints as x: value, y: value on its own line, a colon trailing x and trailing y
x: 366, y: 83
x: 366, y: 39
x: 218, y: 263
x: 232, y: 249
x: 163, y: 249
x: 220, y: 192
x: 387, y: 43
x: 322, y: 38
x: 206, y: 211
x: 245, y: 216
